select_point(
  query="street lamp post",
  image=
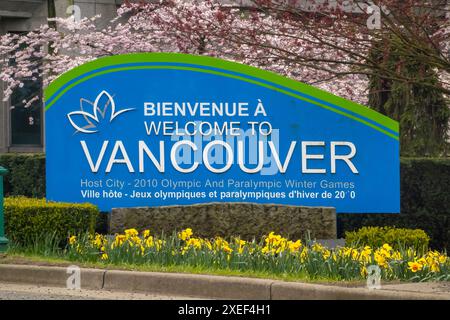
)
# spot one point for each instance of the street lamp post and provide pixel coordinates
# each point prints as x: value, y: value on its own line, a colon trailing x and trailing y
x: 3, y: 240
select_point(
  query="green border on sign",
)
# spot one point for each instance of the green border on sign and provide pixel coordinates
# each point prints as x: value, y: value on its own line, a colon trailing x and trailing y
x: 204, y: 61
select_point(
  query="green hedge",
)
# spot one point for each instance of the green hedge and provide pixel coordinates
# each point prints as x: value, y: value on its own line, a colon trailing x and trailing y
x: 26, y: 176
x: 27, y: 218
x: 425, y: 202
x: 398, y: 238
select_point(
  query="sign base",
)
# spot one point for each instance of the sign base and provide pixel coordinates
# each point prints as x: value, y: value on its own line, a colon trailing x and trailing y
x: 246, y: 220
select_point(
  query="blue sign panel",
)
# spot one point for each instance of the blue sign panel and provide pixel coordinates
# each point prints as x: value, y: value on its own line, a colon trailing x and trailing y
x: 167, y: 129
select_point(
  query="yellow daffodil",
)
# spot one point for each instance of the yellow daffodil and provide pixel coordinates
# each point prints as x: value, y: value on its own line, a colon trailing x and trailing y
x: 195, y: 243
x: 381, y: 260
x: 208, y: 244
x: 294, y: 246
x: 434, y: 267
x: 136, y: 240
x: 98, y: 240
x: 304, y: 254
x: 355, y: 254
x: 227, y: 249
x: 414, y: 266
x: 159, y: 244
x: 146, y: 233
x: 149, y: 243
x: 317, y: 247
x: 365, y: 256
x: 72, y: 240
x: 240, y: 245
x: 397, y: 255
x: 363, y: 272
x: 422, y: 261
x: 131, y: 232
x: 185, y: 234
x: 118, y: 241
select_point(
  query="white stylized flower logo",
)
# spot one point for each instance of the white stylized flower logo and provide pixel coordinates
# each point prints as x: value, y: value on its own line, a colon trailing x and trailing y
x: 92, y: 120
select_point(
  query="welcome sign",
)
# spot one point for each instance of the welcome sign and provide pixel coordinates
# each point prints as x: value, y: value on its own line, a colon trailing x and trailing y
x: 164, y: 129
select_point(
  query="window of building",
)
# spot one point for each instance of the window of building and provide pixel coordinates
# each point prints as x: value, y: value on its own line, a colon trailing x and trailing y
x: 26, y: 121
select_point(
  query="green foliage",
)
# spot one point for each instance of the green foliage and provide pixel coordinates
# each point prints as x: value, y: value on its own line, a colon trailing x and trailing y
x: 26, y: 174
x: 43, y: 245
x: 421, y: 109
x: 26, y: 218
x: 399, y: 238
x: 425, y: 199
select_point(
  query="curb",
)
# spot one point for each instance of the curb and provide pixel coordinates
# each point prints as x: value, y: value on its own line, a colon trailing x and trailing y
x: 306, y: 291
x: 203, y: 286
x: 216, y: 287
x: 91, y: 279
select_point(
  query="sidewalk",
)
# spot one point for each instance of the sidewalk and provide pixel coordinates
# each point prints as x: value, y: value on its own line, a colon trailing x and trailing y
x: 214, y: 287
x: 14, y: 291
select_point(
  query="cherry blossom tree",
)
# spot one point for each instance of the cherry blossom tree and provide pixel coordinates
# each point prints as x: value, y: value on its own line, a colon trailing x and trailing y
x: 197, y: 27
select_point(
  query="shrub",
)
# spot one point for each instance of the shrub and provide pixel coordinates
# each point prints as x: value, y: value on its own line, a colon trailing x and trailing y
x: 399, y: 238
x: 424, y: 202
x: 26, y: 176
x: 27, y: 218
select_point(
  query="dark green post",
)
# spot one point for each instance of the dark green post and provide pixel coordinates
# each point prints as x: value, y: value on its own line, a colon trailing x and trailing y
x: 3, y: 240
